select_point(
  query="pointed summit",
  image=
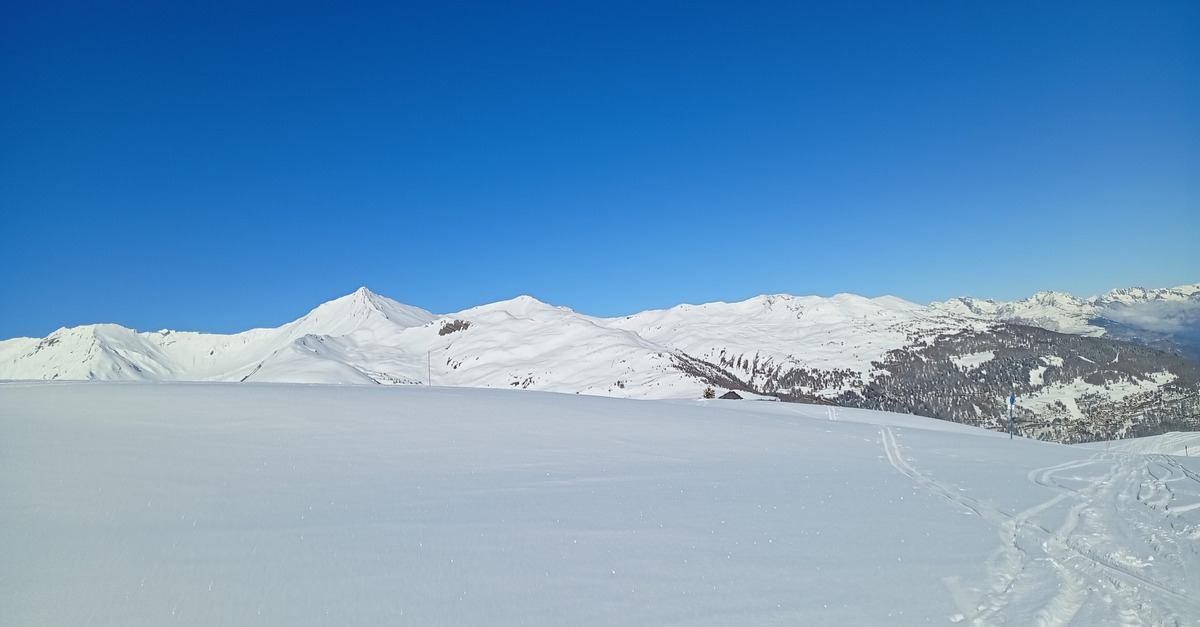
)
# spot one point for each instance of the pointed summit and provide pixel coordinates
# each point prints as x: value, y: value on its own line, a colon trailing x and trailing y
x: 364, y: 299
x: 358, y: 310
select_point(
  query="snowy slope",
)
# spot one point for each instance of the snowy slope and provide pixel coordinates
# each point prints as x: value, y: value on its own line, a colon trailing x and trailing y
x: 529, y: 344
x: 844, y: 333
x: 1174, y: 443
x: 203, y: 504
x: 312, y: 349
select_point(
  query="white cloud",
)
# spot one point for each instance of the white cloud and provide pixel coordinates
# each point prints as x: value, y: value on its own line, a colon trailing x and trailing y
x: 1160, y: 316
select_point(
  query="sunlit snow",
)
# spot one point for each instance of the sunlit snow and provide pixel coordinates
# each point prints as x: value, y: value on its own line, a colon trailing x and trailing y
x: 269, y: 504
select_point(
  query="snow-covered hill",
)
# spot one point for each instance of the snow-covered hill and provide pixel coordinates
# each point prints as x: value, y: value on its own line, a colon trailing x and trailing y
x: 368, y: 338
x: 843, y: 334
x: 958, y: 360
x: 110, y: 352
x: 254, y: 504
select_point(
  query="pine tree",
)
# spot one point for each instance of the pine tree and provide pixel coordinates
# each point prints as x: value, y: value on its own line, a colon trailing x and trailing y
x: 709, y: 393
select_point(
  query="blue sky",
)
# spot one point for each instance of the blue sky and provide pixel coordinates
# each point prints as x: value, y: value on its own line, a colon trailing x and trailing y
x: 224, y: 166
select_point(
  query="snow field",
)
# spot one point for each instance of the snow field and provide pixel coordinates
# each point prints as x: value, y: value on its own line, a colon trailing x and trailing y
x: 201, y: 504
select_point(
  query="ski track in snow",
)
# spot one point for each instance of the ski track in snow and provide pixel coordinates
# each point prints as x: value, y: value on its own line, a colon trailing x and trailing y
x: 267, y: 504
x: 1089, y: 568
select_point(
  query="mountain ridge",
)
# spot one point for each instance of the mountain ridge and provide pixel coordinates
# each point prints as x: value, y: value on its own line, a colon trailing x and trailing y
x: 1062, y: 312
x: 878, y: 353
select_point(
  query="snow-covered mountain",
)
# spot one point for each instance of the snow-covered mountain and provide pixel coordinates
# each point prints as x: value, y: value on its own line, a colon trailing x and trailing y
x: 365, y: 338
x: 368, y: 338
x: 842, y: 336
x: 1166, y: 318
x: 292, y: 352
x: 958, y: 360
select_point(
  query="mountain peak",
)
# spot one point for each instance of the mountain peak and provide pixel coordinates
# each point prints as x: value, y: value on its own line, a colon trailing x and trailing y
x: 364, y: 298
x: 521, y: 306
x: 356, y: 302
x: 360, y: 308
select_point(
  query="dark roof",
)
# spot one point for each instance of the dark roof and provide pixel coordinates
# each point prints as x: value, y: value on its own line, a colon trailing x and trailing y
x: 731, y: 395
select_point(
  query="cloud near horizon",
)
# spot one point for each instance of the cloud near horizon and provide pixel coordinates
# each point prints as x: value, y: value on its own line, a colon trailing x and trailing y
x: 1175, y: 317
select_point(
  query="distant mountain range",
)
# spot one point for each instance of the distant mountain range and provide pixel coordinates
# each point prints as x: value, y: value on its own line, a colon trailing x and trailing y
x: 1125, y: 363
x: 1162, y: 318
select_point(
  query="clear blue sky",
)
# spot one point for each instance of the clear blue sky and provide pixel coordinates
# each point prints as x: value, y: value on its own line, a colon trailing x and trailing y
x: 221, y: 166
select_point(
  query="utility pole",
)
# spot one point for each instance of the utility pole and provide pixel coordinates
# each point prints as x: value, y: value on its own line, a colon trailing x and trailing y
x: 1012, y: 400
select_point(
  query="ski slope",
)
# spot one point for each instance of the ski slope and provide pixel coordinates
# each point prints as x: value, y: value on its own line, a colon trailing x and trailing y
x: 285, y: 504
x: 1174, y: 443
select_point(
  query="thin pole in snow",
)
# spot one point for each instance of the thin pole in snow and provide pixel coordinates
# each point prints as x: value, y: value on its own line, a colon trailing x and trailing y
x: 1012, y: 400
x: 429, y: 368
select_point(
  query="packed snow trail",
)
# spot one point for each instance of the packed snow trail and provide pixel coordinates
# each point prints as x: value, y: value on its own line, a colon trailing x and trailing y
x: 1109, y: 547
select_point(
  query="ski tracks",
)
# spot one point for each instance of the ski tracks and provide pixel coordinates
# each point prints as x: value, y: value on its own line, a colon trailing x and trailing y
x: 1121, y: 553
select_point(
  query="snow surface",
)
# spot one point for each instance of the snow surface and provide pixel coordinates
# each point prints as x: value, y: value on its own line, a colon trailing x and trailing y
x: 1174, y: 443
x: 973, y: 360
x: 270, y: 504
